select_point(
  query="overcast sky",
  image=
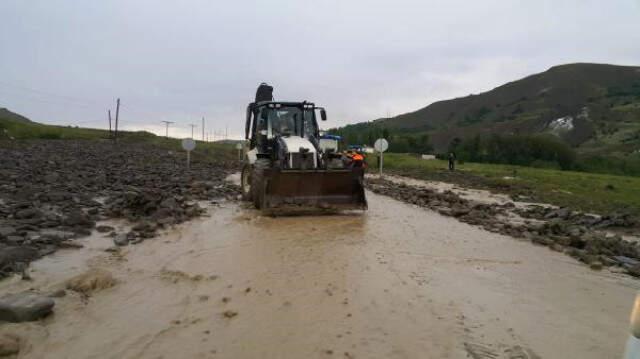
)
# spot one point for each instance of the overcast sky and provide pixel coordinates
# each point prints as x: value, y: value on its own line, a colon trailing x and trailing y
x: 66, y: 61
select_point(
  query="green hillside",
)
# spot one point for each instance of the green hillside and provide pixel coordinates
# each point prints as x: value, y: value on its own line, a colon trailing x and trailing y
x: 14, y: 127
x: 6, y: 115
x: 594, y: 108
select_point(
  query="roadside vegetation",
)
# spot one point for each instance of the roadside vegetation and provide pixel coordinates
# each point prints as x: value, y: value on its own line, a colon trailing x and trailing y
x: 14, y: 127
x: 599, y: 193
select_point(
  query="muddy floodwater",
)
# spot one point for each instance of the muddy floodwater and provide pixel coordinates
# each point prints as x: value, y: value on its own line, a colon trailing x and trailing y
x: 394, y: 282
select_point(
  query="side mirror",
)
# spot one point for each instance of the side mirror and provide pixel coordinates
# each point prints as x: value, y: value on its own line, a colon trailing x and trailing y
x: 323, y: 114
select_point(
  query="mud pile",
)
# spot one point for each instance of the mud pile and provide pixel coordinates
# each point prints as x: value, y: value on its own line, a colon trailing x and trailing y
x: 52, y: 192
x: 577, y: 234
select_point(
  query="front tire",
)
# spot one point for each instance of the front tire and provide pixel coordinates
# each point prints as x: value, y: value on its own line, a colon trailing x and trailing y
x: 258, y: 182
x: 245, y: 182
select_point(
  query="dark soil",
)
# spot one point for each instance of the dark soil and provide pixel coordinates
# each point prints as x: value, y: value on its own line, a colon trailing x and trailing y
x: 54, y: 191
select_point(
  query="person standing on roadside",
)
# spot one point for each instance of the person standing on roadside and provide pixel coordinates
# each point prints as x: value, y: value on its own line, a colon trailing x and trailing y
x: 452, y: 161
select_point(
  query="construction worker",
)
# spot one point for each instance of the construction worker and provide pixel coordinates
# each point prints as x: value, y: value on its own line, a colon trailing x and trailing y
x: 357, y: 159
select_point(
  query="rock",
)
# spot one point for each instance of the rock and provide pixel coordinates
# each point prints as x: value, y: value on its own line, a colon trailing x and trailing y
x: 144, y: 226
x: 562, y: 213
x: 104, y: 229
x: 78, y: 218
x: 121, y: 239
x: 28, y: 213
x: 595, y: 265
x: 169, y: 203
x: 57, y: 293
x: 58, y: 196
x: 574, y: 232
x: 579, y: 243
x: 634, y: 270
x: 458, y: 211
x: 24, y: 307
x: 542, y: 240
x: 69, y: 245
x: 14, y: 240
x: 23, y: 254
x: 626, y: 261
x: 52, y: 177
x: 230, y: 314
x: 92, y: 281
x: 444, y: 211
x: 7, y: 231
x: 9, y: 344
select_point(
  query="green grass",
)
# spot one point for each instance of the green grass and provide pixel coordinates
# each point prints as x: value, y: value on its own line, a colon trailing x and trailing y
x: 20, y: 130
x: 31, y: 130
x: 599, y: 193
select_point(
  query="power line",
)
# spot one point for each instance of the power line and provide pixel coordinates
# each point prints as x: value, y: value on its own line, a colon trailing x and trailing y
x: 46, y: 93
x: 192, y: 127
x: 109, y: 123
x: 115, y: 137
x: 30, y: 97
x: 167, y: 123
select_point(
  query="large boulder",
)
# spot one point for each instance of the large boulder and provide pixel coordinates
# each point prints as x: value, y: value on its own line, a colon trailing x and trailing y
x: 24, y: 307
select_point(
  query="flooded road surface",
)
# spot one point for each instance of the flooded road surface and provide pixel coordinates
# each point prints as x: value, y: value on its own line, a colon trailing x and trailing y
x: 395, y: 282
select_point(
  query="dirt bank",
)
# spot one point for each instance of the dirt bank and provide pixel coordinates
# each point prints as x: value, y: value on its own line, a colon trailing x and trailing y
x: 396, y: 282
x: 54, y: 192
x: 581, y: 235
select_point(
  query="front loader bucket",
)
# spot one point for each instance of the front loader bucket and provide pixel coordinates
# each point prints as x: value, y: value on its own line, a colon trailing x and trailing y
x: 325, y: 189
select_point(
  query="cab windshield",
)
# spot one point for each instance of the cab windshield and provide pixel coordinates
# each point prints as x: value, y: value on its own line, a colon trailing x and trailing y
x: 291, y: 121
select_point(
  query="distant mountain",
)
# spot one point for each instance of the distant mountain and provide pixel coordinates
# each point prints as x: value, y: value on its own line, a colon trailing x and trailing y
x: 5, y: 114
x: 592, y: 107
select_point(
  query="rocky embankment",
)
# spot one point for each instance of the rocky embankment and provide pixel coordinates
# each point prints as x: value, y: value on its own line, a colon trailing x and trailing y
x: 582, y: 236
x: 52, y: 192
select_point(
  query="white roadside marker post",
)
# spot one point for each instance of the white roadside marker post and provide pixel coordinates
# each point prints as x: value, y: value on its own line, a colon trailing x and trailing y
x: 381, y: 145
x: 188, y: 144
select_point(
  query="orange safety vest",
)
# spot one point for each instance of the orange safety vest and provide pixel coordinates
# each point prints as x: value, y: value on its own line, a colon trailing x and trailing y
x: 358, y: 157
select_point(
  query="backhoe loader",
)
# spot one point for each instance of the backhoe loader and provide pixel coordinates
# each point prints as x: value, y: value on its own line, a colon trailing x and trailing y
x: 284, y: 165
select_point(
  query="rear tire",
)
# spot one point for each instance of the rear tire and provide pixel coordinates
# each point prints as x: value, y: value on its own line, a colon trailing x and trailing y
x: 258, y: 182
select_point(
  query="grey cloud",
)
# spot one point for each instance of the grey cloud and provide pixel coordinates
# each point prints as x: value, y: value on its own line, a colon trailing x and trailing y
x: 66, y: 61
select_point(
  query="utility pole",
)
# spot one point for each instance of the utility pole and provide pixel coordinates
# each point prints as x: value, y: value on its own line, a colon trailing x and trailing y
x: 226, y: 131
x: 109, y: 111
x: 203, y: 128
x: 166, y: 131
x: 117, y: 115
x: 192, y: 127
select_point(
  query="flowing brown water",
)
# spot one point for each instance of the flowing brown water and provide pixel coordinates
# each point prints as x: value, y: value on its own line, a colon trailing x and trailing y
x: 394, y: 282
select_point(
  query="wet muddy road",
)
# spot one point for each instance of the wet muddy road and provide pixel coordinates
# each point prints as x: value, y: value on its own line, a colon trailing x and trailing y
x: 394, y: 282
